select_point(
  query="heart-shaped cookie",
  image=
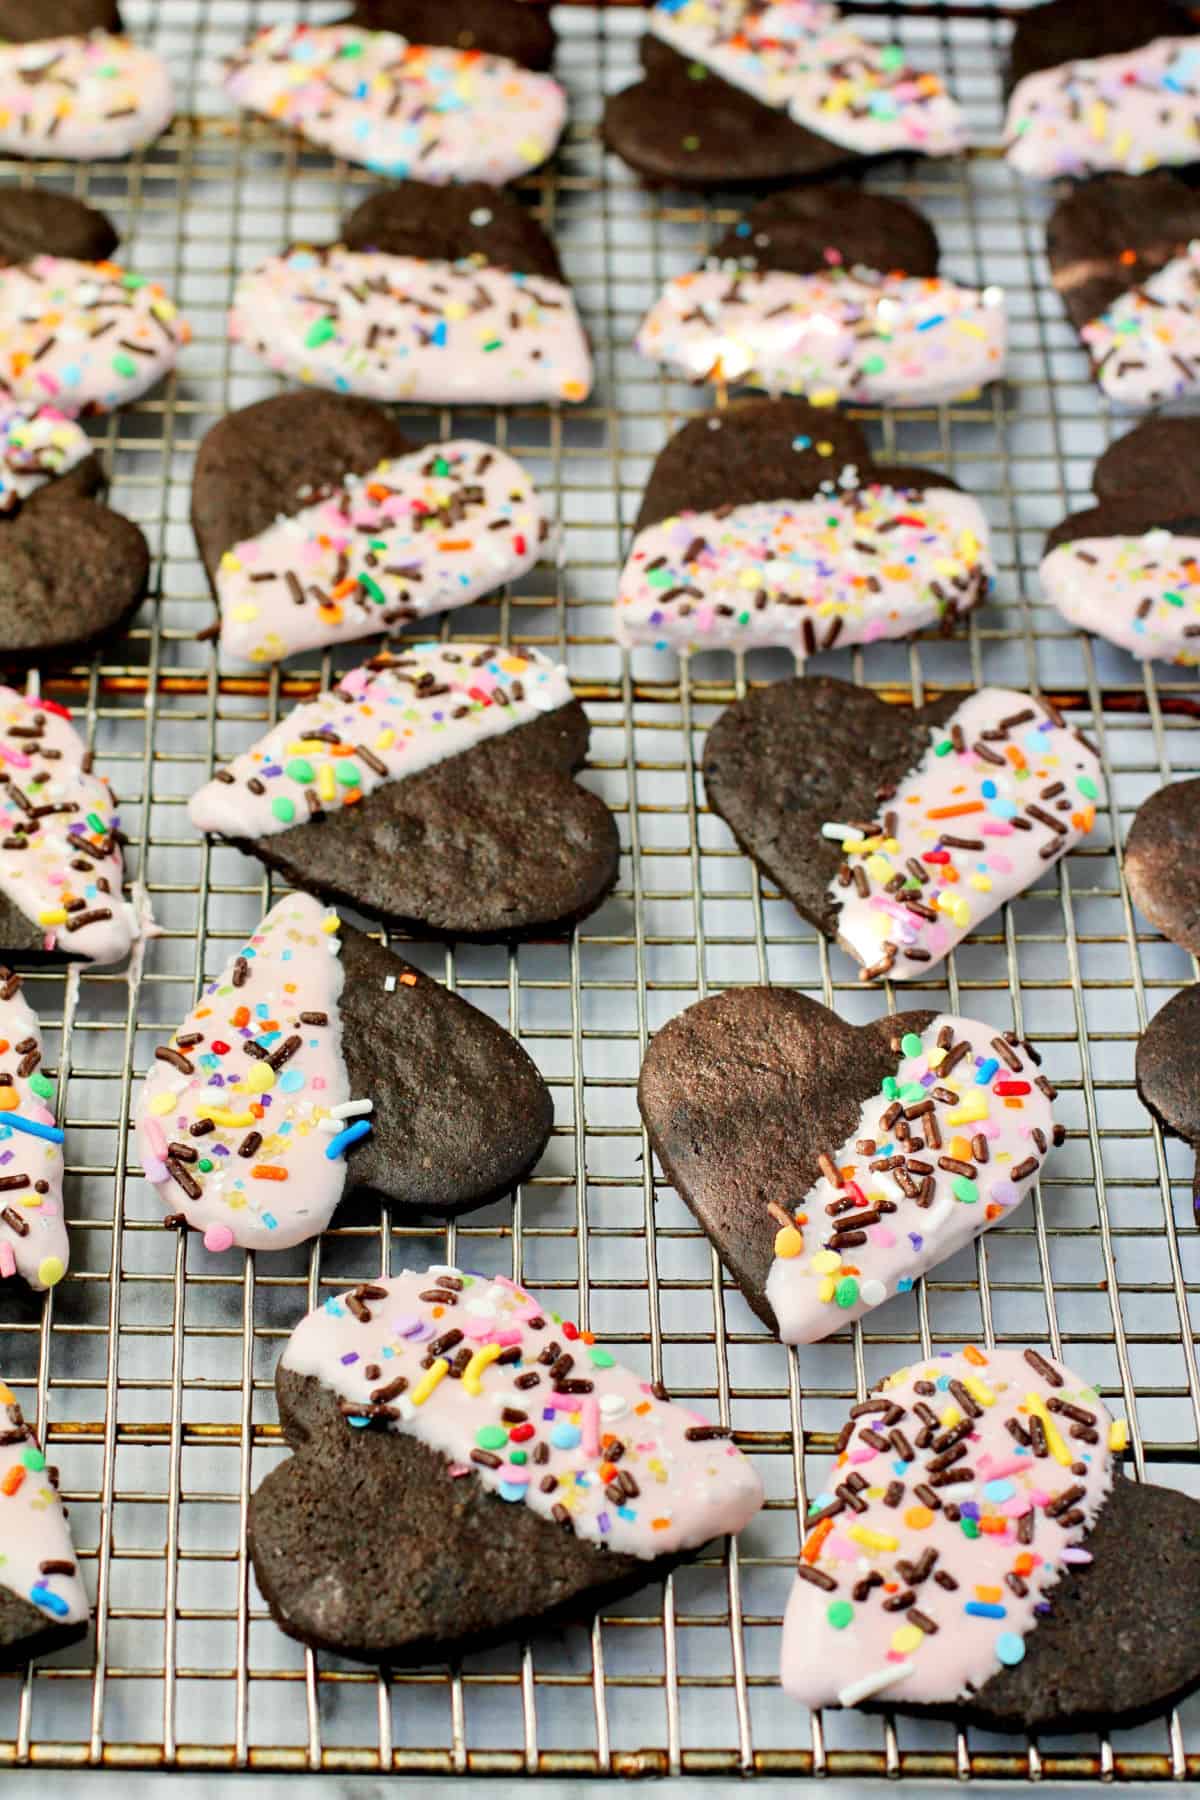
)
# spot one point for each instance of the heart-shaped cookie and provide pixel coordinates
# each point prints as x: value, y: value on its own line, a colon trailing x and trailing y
x: 430, y: 109
x: 43, y: 1605
x: 433, y: 788
x: 740, y: 92
x: 1121, y: 256
x: 897, y: 830
x: 830, y: 1164
x: 33, y: 1230
x: 319, y: 522
x: 1128, y: 568
x: 318, y: 1063
x: 771, y: 524
x: 1094, y: 84
x: 71, y: 570
x: 831, y: 292
x: 1168, y: 1072
x: 1162, y: 862
x: 444, y: 295
x: 969, y: 1557
x: 468, y: 1465
x: 512, y: 28
x: 73, y: 87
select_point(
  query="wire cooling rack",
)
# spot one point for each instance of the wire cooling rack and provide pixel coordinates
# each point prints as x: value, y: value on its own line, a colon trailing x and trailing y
x: 150, y: 1366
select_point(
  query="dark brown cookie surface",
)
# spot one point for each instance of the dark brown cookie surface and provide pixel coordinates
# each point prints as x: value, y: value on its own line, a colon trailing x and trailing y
x: 1162, y: 862
x: 764, y: 450
x: 804, y: 230
x: 1112, y: 233
x: 26, y: 21
x: 276, y: 456
x: 741, y: 1094
x: 448, y: 223
x: 71, y: 570
x: 782, y: 762
x: 1063, y: 31
x: 509, y: 28
x: 1154, y: 466
x: 26, y: 1633
x: 1167, y: 1071
x: 36, y: 222
x: 493, y: 843
x: 461, y: 1113
x: 364, y: 1544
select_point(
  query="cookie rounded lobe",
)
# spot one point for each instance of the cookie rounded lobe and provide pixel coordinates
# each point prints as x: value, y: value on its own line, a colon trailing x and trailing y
x: 1110, y: 234
x: 447, y: 224
x: 31, y: 21
x: 509, y: 28
x: 1156, y: 466
x: 803, y: 230
x: 1063, y: 31
x: 1167, y: 1067
x: 1162, y: 862
x: 71, y: 570
x: 36, y: 222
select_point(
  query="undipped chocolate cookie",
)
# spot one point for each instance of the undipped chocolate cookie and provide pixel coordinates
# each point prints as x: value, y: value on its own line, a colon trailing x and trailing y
x: 1162, y: 862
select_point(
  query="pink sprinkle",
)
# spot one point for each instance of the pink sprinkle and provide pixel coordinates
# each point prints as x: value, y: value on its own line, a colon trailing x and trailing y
x: 996, y: 828
x: 218, y: 1238
x: 590, y: 1422
x: 866, y: 1454
x: 8, y: 1262
x: 155, y: 1168
x: 458, y: 1469
x: 517, y: 1473
x: 16, y: 757
x: 156, y: 1136
x: 881, y: 1236
x: 1015, y: 1508
x: 47, y: 381
x: 841, y: 1547
x: 1075, y: 1554
x: 996, y: 1470
x: 563, y: 1402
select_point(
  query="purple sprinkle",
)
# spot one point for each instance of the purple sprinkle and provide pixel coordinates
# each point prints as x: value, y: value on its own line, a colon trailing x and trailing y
x: 969, y: 1509
x: 351, y: 1356
x: 7, y: 1157
x: 604, y: 1522
x: 927, y: 1081
x: 547, y: 1414
x: 915, y: 1240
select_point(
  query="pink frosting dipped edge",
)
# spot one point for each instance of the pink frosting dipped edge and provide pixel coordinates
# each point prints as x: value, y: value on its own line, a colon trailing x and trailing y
x: 33, y: 1230
x: 963, y: 1491
x: 37, y: 1558
x: 521, y: 1400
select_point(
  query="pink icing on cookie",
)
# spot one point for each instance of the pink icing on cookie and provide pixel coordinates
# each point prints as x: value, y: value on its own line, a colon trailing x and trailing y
x: 435, y: 701
x: 1146, y: 347
x: 263, y: 1175
x: 847, y: 568
x: 683, y: 1481
x: 82, y: 98
x: 35, y: 446
x: 417, y: 535
x: 403, y: 328
x: 844, y: 334
x: 62, y: 866
x: 977, y: 1148
x: 83, y: 336
x: 1031, y: 1489
x: 33, y: 1526
x: 403, y: 109
x: 33, y: 1231
x: 797, y: 57
x: 1142, y: 593
x: 1130, y: 112
x: 1001, y: 793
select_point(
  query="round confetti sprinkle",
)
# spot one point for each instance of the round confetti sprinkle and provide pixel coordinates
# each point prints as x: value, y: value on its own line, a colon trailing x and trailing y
x: 839, y: 1613
x: 218, y: 1238
x: 1010, y: 1648
x: 51, y: 1270
x: 846, y: 1292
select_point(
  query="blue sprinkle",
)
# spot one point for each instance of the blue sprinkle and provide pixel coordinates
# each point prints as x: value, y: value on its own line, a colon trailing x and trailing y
x: 49, y: 1602
x: 566, y: 1437
x: 508, y: 1490
x: 341, y: 1143
x: 291, y: 1081
x: 983, y: 1609
x: 1010, y: 1648
x: 998, y: 1490
x: 358, y: 1423
x: 986, y: 1071
x: 989, y: 790
x: 904, y: 1285
x: 32, y: 1129
x: 930, y: 324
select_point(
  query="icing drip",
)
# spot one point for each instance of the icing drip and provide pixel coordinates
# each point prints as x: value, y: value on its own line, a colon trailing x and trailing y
x: 35, y: 446
x: 1001, y: 793
x: 537, y: 1411
x: 976, y: 1477
x: 956, y: 1139
x: 84, y: 336
x: 415, y: 536
x: 402, y: 328
x: 60, y: 861
x: 404, y: 109
x: 850, y: 568
x: 270, y: 1168
x: 1129, y: 112
x: 845, y: 334
x: 377, y: 725
x: 33, y: 1526
x: 1142, y: 593
x: 82, y: 98
x: 33, y: 1231
x: 1146, y: 347
x: 797, y: 57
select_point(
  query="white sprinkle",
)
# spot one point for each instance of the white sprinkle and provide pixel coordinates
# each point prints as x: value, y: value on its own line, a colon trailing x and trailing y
x: 442, y: 1269
x: 389, y: 986
x: 839, y: 833
x: 351, y: 1109
x: 874, y: 1683
x: 873, y: 1293
x: 481, y: 216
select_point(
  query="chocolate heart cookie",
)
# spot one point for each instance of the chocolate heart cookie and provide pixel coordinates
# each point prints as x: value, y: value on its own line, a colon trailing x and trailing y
x: 1168, y: 1072
x: 1162, y: 862
x: 831, y: 1164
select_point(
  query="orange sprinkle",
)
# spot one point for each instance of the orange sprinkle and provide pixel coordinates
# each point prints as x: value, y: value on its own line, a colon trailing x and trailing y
x: 975, y: 1356
x: 408, y: 981
x: 1025, y: 1562
x: 990, y: 1596
x: 268, y: 1172
x: 13, y: 1479
x: 1083, y: 821
x: 918, y: 1518
x: 644, y: 1407
x: 996, y: 1527
x: 454, y: 543
x: 241, y: 1016
x: 659, y: 1524
x: 343, y: 588
x: 814, y: 1540
x: 955, y: 812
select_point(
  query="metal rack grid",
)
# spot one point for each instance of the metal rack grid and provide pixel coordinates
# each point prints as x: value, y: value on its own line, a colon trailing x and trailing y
x: 150, y: 1366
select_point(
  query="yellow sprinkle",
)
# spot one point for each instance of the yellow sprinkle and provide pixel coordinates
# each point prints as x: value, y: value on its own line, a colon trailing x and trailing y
x: 1058, y: 1448
x: 907, y: 1638
x: 1098, y: 120
x: 56, y: 916
x: 825, y: 1262
x: 385, y: 740
x: 872, y: 1540
x: 968, y: 327
x: 230, y: 561
x: 232, y: 1121
x: 1118, y: 1434
x: 788, y: 1241
x: 936, y: 1057
x: 983, y: 883
x: 259, y: 1078
x: 7, y: 1397
x: 245, y: 612
x: 951, y: 1416
x: 429, y: 1381
x: 825, y: 1289
x: 879, y: 869
x: 326, y: 782
x: 979, y: 1391
x: 331, y: 923
x: 750, y: 578
x: 162, y: 1103
x: 824, y: 397
x: 476, y: 1366
x: 973, y: 1108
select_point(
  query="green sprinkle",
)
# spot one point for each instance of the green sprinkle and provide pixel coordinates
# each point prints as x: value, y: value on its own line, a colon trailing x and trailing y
x: 944, y: 748
x: 32, y: 1457
x: 349, y: 774
x: 353, y: 48
x: 283, y: 808
x: 839, y: 1613
x: 133, y: 282
x: 440, y: 466
x: 970, y: 1527
x: 97, y: 823
x: 319, y: 332
x: 300, y: 769
x: 491, y: 1437
x: 965, y: 1190
x: 890, y: 1088
x: 124, y: 365
x: 846, y: 1291
x: 373, y: 588
x: 874, y: 365
x: 1173, y: 599
x: 1087, y: 787
x: 697, y: 71
x: 911, y: 1092
x: 691, y: 143
x: 493, y: 344
x: 41, y: 1085
x: 517, y: 1456
x: 911, y: 1044
x: 891, y: 56
x: 204, y: 1166
x: 600, y: 1359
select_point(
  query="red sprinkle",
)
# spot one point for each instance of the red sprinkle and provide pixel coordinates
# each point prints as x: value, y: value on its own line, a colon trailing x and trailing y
x: 570, y: 1332
x: 1010, y: 1087
x: 935, y: 856
x: 520, y: 1434
x: 220, y: 1048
